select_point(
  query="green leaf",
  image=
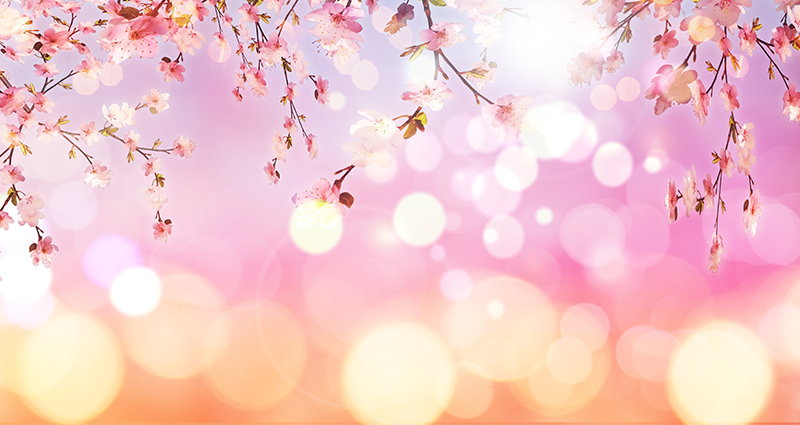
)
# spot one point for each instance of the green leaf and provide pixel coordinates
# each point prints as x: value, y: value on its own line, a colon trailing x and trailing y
x: 439, y: 3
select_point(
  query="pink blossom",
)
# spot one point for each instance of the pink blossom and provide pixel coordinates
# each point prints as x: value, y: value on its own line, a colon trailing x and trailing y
x: 47, y: 70
x: 123, y: 37
x: 724, y: 12
x: 119, y: 116
x: 728, y: 95
x: 715, y: 256
x: 289, y: 125
x: 187, y: 39
x: 690, y: 191
x: 312, y: 147
x: 89, y: 133
x: 442, y: 35
x: 291, y: 92
x: 47, y: 131
x: 665, y: 43
x: 428, y: 93
x: 791, y: 103
x: 27, y: 119
x: 700, y: 100
x: 44, y: 252
x: 257, y: 82
x: 12, y: 100
x: 375, y: 139
x: 299, y: 66
x: 156, y: 100
x: 152, y: 165
x: 131, y: 141
x: 586, y: 66
x: 724, y: 45
x: 41, y: 103
x: 337, y: 29
x: 611, y: 8
x: 182, y: 147
x: 5, y: 220
x: 708, y: 191
x: 86, y: 28
x: 671, y: 86
x: 671, y: 201
x: 279, y: 146
x: 11, y: 135
x: 321, y: 91
x: 319, y: 205
x: 509, y: 112
x: 98, y: 175
x: 726, y: 163
x: 273, y: 50
x: 480, y: 74
x: 752, y: 213
x: 11, y: 174
x: 747, y: 39
x: 162, y: 230
x: 665, y: 9
x: 89, y: 67
x: 614, y: 61
x: 154, y: 197
x: 29, y: 207
x: 249, y: 12
x: 172, y: 71
x: 746, y: 143
x: 273, y: 176
x: 782, y: 38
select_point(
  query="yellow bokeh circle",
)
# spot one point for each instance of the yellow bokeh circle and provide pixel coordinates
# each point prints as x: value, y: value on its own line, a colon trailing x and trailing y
x: 71, y: 369
x: 400, y: 373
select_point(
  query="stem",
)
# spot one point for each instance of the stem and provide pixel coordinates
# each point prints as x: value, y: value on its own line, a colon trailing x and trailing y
x: 464, y: 80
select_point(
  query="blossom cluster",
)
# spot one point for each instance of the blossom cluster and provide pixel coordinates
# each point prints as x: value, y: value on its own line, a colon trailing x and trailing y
x: 715, y: 22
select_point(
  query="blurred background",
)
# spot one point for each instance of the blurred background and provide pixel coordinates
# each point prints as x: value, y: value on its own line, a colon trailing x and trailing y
x: 536, y: 280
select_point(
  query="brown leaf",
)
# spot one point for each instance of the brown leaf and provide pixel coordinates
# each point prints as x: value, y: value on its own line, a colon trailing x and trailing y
x: 129, y: 13
x: 346, y: 199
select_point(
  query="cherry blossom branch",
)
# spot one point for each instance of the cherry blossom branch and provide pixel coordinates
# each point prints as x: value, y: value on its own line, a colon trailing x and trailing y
x: 464, y: 80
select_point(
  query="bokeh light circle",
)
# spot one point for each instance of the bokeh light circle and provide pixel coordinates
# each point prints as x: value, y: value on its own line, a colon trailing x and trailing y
x: 71, y: 369
x: 85, y: 86
x: 219, y: 53
x: 612, y: 164
x: 22, y: 281
x: 315, y: 238
x: 503, y: 236
x: 587, y: 322
x: 424, y: 152
x: 603, y: 97
x: 365, y: 75
x: 558, y: 125
x: 107, y: 256
x: 400, y: 373
x: 491, y: 197
x: 516, y: 168
x: 419, y: 219
x: 569, y: 360
x: 136, y: 291
x: 544, y: 216
x: 592, y: 235
x: 176, y: 340
x: 720, y: 375
x: 456, y: 284
x: 503, y: 329
x: 264, y: 359
x: 628, y: 89
x: 73, y: 205
x: 110, y: 74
